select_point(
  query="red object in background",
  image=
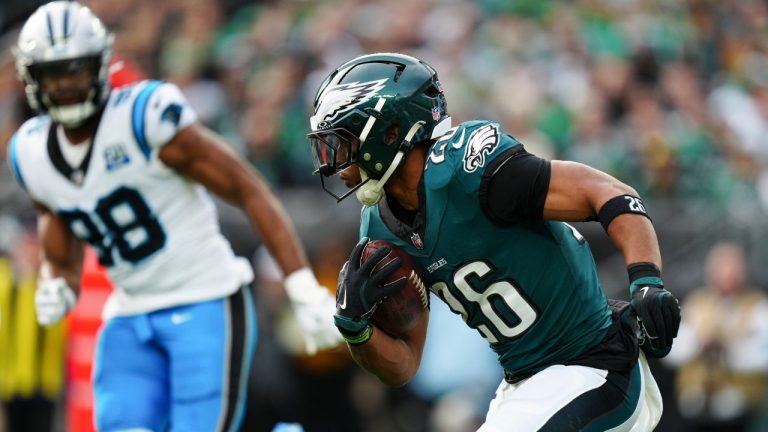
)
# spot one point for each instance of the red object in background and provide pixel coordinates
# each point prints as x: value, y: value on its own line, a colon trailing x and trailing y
x: 123, y: 71
x: 84, y: 323
x: 85, y: 318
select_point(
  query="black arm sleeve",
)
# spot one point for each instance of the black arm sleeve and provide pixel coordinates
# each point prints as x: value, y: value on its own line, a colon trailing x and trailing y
x: 514, y: 187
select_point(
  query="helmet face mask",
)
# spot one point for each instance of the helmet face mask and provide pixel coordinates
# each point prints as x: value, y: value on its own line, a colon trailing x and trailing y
x: 66, y: 82
x: 333, y: 150
x: 386, y: 103
x: 63, y: 56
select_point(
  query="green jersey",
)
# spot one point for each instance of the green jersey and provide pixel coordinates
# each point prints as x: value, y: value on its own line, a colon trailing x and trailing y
x: 529, y: 288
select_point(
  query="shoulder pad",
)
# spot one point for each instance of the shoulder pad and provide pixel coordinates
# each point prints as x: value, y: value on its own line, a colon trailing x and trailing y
x: 159, y: 112
x: 466, y: 150
x: 467, y: 146
x: 34, y: 127
x: 26, y: 145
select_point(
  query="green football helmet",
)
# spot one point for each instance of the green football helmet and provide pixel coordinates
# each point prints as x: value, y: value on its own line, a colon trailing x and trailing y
x: 371, y: 111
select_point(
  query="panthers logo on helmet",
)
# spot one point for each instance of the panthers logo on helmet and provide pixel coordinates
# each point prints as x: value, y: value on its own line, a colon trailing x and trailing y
x: 341, y: 98
x: 481, y: 143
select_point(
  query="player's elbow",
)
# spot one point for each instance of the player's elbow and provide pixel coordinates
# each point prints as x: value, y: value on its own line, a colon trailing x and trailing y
x: 602, y: 186
x: 396, y: 380
x: 400, y: 373
x: 610, y: 185
x: 624, y: 189
x: 394, y: 373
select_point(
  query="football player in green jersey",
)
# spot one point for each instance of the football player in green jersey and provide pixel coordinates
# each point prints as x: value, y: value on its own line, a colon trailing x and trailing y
x: 487, y: 222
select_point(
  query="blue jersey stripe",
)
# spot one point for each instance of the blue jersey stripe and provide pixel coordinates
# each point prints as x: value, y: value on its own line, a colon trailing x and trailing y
x: 14, y: 163
x: 138, y: 114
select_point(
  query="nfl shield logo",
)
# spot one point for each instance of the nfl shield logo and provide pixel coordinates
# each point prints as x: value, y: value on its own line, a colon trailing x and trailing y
x: 416, y: 240
x: 436, y: 113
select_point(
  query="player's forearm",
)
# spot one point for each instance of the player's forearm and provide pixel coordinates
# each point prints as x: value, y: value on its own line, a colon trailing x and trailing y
x: 202, y: 156
x: 636, y: 239
x: 391, y: 360
x: 71, y: 271
x: 62, y: 253
x: 274, y: 225
x: 587, y: 193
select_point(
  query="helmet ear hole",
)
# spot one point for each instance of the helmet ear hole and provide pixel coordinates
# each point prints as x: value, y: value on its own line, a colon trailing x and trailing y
x: 391, y: 134
x: 432, y: 90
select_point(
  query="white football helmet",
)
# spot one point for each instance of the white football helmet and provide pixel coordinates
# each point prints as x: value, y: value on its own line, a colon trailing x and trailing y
x: 64, y: 36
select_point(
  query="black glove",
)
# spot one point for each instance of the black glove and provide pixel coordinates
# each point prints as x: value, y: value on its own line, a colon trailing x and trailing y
x: 658, y: 314
x: 360, y: 290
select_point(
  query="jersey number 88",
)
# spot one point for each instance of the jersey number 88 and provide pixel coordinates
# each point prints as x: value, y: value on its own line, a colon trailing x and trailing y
x: 135, y: 239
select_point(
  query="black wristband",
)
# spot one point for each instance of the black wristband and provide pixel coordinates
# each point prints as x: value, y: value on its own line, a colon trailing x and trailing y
x: 619, y: 205
x: 642, y: 269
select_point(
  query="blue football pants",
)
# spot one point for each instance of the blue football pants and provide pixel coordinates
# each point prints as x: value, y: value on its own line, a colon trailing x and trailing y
x: 179, y: 369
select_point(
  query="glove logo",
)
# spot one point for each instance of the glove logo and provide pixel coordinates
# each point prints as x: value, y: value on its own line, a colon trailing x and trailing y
x: 343, y: 303
x: 644, y: 290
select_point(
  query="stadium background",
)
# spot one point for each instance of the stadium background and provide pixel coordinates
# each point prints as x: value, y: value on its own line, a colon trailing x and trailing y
x: 670, y: 96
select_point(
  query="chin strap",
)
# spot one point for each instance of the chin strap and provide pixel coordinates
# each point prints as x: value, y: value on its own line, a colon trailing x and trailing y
x: 372, y: 191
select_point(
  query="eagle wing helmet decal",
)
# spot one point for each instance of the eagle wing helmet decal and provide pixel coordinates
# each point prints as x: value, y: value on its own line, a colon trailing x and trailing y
x: 481, y: 143
x: 341, y: 98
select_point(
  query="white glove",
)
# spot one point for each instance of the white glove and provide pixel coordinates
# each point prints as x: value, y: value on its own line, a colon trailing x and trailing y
x: 53, y: 299
x: 314, y: 307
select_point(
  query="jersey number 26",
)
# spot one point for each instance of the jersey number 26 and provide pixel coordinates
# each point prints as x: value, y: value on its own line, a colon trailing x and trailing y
x: 506, y: 312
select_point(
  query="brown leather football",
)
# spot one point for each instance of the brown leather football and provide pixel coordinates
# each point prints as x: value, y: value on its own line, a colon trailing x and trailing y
x: 399, y: 313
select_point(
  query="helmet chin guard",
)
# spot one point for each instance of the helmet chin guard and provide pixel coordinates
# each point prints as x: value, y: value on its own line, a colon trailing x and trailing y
x: 72, y: 115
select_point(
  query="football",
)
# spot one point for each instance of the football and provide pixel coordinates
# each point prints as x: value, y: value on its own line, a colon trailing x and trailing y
x: 401, y: 311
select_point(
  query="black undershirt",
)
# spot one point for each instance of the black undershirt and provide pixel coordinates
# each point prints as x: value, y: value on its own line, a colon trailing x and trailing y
x: 514, y: 187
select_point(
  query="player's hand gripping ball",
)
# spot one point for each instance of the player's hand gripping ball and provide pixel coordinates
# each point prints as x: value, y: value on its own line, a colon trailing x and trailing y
x: 401, y: 310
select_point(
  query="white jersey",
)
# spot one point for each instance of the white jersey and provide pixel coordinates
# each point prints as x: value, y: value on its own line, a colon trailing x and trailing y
x: 156, y: 232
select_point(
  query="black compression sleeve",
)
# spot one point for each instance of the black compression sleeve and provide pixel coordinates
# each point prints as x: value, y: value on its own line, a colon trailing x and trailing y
x: 514, y: 187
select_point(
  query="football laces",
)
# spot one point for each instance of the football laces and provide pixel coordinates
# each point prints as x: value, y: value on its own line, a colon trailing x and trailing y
x: 416, y: 280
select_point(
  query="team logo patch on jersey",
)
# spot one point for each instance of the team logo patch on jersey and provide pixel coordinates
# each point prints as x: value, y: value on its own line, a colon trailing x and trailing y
x: 341, y: 98
x: 172, y: 113
x: 481, y: 143
x: 115, y: 156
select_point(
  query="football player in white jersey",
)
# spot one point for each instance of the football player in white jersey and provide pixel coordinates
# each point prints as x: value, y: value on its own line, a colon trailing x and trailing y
x: 127, y: 171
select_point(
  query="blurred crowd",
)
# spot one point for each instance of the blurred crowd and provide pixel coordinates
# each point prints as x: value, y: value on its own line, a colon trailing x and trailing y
x: 670, y: 96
